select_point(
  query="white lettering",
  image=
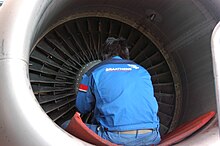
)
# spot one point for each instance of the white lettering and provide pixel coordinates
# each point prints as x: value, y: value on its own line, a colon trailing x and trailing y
x: 133, y: 66
x: 118, y: 69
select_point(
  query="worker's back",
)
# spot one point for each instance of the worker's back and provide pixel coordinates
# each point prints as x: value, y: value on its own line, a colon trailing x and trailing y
x: 120, y: 93
x: 124, y: 97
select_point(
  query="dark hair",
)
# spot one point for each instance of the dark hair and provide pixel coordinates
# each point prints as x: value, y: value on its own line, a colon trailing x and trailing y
x: 115, y: 47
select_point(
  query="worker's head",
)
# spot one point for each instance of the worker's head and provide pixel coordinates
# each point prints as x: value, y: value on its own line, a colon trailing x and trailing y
x: 115, y: 47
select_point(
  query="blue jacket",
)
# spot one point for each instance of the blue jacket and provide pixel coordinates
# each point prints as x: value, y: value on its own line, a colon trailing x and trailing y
x: 121, y: 94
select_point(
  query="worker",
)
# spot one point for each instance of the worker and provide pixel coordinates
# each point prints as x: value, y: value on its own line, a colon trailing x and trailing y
x: 120, y: 93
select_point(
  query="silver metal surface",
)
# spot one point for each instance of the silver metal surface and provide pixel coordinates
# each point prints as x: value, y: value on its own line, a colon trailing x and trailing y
x: 215, y: 42
x: 209, y: 137
x: 22, y: 120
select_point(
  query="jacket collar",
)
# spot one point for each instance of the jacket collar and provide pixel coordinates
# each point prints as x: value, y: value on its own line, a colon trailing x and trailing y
x: 116, y: 57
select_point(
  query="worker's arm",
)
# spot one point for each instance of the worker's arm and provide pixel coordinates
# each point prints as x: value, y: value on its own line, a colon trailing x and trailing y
x: 85, y: 100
